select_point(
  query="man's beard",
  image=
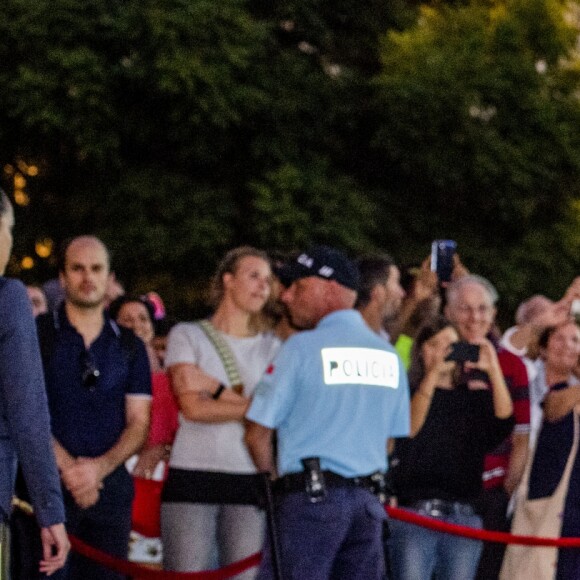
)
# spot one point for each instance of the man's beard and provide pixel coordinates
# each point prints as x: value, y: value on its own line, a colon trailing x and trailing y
x: 86, y: 304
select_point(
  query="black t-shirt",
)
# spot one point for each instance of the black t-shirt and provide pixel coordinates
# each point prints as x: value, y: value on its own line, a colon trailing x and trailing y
x: 445, y: 459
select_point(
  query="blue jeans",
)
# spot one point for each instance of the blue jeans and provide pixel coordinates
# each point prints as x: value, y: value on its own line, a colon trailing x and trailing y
x: 338, y: 538
x: 418, y: 553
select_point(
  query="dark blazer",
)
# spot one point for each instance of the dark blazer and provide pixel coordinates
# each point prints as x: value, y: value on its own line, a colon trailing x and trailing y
x: 24, y: 420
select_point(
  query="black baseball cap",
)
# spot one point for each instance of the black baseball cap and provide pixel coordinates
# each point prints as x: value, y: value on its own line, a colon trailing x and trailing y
x: 322, y: 261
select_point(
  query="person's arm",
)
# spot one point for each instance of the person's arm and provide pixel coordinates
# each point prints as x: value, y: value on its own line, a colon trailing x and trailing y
x: 524, y: 335
x: 149, y: 458
x: 137, y: 413
x: 559, y: 403
x: 527, y: 334
x: 489, y: 363
x: 64, y: 459
x: 55, y: 548
x: 194, y: 389
x: 421, y: 401
x: 25, y: 420
x: 423, y: 287
x: 24, y: 406
x: 259, y: 442
x: 517, y: 464
x: 272, y: 400
x: 459, y: 269
x: 441, y: 371
x: 84, y: 496
x: 573, y: 291
x: 88, y: 472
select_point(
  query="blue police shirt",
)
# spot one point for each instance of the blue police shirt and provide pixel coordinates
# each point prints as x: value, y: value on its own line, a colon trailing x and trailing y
x: 337, y: 392
x: 88, y: 422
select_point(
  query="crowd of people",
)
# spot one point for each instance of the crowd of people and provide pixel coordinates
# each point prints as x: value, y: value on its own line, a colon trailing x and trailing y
x: 352, y: 383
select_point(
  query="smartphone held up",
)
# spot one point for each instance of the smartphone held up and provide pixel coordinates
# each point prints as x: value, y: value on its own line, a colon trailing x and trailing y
x: 463, y: 351
x: 442, y: 254
x: 575, y: 310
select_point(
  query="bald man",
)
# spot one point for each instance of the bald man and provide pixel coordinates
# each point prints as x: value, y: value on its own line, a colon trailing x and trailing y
x: 99, y: 389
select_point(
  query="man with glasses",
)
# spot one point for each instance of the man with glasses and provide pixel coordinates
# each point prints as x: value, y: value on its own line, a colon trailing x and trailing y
x: 99, y: 389
x: 471, y: 308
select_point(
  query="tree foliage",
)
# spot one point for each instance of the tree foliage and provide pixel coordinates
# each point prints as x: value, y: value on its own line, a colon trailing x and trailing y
x: 478, y: 127
x: 178, y: 129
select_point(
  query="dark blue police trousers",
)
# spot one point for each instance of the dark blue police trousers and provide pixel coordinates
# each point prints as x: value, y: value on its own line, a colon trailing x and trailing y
x: 339, y: 537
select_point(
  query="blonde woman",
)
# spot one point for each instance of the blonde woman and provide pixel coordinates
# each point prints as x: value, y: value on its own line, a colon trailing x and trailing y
x: 205, y: 504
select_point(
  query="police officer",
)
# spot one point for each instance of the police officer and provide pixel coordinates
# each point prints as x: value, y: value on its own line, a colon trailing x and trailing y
x: 335, y: 393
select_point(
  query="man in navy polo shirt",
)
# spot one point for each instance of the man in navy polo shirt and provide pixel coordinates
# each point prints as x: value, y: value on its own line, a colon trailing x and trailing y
x: 99, y: 389
x: 335, y: 393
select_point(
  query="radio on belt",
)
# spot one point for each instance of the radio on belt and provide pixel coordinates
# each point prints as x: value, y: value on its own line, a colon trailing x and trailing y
x: 314, y: 483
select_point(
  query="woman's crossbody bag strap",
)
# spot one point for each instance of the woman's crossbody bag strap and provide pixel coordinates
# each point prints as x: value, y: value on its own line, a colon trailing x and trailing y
x: 224, y: 351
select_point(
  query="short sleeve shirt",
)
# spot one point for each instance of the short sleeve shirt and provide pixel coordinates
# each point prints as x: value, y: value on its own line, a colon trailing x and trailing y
x: 88, y: 422
x: 337, y: 392
x: 217, y: 447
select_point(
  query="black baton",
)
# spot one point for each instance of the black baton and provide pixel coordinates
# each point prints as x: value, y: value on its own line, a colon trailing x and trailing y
x: 272, y: 530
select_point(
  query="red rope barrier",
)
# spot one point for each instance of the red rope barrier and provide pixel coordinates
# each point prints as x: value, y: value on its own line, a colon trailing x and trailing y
x: 485, y: 535
x: 144, y: 573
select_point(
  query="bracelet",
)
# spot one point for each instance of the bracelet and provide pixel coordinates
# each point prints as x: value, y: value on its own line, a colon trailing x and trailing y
x: 218, y: 392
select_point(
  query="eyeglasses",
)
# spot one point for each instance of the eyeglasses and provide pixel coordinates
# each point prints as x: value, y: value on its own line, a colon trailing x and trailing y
x: 90, y: 372
x: 481, y: 310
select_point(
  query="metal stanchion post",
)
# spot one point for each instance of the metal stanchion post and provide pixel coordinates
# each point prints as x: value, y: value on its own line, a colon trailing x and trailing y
x: 272, y: 529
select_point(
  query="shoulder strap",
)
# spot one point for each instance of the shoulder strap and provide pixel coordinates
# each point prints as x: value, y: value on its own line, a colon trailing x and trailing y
x: 224, y: 351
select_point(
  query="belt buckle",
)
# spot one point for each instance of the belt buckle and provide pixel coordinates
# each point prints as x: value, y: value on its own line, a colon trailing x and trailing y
x: 435, y: 511
x: 436, y: 508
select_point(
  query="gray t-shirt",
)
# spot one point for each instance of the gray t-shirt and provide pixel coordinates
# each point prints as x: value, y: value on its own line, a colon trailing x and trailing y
x: 217, y: 446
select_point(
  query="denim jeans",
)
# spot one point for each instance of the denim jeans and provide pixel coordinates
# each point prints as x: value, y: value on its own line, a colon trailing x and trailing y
x: 418, y: 553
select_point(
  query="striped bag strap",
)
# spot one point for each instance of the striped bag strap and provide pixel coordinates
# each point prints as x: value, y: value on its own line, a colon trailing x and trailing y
x: 225, y: 353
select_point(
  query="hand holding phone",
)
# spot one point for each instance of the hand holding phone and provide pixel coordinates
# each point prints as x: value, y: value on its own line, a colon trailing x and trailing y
x: 463, y: 351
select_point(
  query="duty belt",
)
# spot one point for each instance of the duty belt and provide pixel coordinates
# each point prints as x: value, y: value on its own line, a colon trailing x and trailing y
x: 292, y: 482
x: 438, y: 508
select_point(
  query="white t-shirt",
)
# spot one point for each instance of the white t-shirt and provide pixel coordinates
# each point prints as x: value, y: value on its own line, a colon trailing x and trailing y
x: 216, y: 446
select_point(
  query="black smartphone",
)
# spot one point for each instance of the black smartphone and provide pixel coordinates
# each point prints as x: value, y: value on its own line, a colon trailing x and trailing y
x: 442, y: 252
x: 575, y: 310
x: 463, y: 351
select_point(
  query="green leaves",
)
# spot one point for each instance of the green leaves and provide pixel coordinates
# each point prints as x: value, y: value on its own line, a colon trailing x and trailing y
x: 480, y: 109
x: 177, y: 129
x: 295, y: 206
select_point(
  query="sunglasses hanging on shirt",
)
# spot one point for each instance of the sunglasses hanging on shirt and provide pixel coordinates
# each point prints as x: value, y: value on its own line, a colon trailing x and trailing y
x: 90, y: 372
